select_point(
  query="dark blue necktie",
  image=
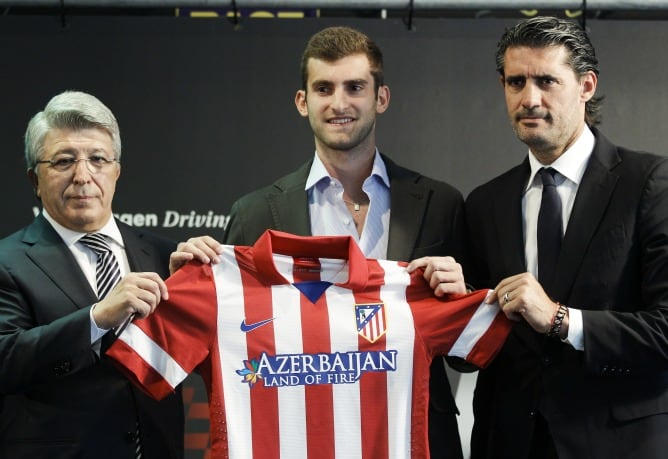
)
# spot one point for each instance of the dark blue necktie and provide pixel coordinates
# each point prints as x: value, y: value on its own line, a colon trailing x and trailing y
x: 549, y: 228
x: 108, y: 273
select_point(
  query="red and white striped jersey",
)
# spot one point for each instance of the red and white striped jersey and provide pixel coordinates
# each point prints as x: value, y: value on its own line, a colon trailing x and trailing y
x: 307, y: 349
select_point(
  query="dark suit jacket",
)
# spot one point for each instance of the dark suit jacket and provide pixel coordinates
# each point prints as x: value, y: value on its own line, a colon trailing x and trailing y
x: 426, y: 218
x: 61, y: 401
x: 610, y: 401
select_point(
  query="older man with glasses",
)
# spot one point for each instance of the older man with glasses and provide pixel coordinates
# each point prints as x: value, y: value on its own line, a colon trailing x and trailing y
x: 68, y: 281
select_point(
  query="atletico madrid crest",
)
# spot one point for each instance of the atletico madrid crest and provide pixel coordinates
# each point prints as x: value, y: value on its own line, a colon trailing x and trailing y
x: 371, y: 323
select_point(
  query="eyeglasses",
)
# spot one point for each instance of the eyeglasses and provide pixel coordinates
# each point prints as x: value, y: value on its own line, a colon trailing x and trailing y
x: 94, y: 164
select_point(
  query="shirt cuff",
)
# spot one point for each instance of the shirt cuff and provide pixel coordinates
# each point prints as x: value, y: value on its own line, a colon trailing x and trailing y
x: 96, y: 333
x: 575, y: 329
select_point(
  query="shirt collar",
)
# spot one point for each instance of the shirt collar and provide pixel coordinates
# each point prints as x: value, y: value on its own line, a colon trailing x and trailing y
x: 572, y: 163
x: 318, y: 171
x: 70, y: 237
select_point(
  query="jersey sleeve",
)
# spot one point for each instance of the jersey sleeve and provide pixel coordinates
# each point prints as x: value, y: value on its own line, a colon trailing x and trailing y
x: 464, y: 326
x: 158, y: 352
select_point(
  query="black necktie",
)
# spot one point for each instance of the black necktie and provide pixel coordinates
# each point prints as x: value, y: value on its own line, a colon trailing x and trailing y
x: 549, y: 227
x: 107, y: 271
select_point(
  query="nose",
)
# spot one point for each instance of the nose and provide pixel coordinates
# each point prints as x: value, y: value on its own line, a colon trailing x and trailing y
x: 82, y: 173
x: 531, y: 96
x: 339, y: 100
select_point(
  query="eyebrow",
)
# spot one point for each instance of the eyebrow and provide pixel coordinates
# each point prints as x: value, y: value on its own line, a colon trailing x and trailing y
x: 536, y: 77
x: 73, y: 151
x: 357, y: 81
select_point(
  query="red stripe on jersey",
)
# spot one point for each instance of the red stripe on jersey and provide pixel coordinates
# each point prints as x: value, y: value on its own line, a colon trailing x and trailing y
x: 373, y: 398
x: 143, y: 375
x: 264, y: 400
x: 487, y: 347
x: 316, y: 339
x: 441, y: 331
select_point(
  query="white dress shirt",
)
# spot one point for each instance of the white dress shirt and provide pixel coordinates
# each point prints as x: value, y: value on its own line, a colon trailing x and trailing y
x: 329, y: 215
x: 571, y: 166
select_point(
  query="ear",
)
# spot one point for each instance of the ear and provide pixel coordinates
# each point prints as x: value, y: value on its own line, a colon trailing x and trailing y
x: 502, y: 80
x: 34, y: 180
x: 383, y: 99
x: 588, y: 83
x: 300, y: 103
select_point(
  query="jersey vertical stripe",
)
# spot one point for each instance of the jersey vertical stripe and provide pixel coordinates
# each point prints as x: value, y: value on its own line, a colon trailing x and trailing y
x: 374, y: 385
x: 315, y: 338
x: 400, y: 335
x: 232, y: 344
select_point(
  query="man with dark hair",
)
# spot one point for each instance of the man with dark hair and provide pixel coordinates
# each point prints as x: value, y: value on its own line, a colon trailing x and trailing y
x: 584, y: 373
x: 67, y: 281
x: 350, y: 188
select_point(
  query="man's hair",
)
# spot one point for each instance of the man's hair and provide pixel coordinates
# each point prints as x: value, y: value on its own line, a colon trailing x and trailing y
x: 541, y: 32
x: 72, y: 110
x: 334, y: 43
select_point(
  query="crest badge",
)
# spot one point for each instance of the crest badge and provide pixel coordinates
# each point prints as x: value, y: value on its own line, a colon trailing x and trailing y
x: 371, y: 321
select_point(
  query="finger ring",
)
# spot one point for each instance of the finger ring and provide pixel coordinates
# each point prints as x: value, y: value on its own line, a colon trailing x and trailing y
x: 506, y: 298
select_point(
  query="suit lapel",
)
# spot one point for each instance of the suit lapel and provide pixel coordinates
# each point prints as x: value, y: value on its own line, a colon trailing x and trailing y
x: 51, y: 255
x: 141, y: 255
x: 590, y: 204
x: 508, y: 219
x: 289, y: 206
x: 408, y: 203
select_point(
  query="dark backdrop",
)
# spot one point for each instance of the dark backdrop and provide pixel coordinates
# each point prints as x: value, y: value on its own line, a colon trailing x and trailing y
x: 206, y: 109
x: 207, y: 114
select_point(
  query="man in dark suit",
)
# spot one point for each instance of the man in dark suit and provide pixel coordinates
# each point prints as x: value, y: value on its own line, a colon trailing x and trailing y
x: 584, y: 373
x: 349, y: 188
x: 62, y: 398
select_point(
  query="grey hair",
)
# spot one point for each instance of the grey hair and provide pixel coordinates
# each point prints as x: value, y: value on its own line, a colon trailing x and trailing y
x: 544, y: 31
x: 70, y: 110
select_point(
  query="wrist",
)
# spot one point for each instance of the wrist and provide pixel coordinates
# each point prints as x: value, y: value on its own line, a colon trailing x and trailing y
x: 559, y: 324
x: 563, y: 331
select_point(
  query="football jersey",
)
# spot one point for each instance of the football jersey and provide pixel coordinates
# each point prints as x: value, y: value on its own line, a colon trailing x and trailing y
x: 308, y: 349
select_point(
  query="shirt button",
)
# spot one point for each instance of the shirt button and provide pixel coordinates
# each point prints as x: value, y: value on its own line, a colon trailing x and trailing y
x: 346, y: 221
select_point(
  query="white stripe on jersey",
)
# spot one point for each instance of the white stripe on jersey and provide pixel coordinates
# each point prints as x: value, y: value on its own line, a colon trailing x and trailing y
x: 400, y: 335
x: 233, y: 344
x: 153, y: 354
x: 480, y: 322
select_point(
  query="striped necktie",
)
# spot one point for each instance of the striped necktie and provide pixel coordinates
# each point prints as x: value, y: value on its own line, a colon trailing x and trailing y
x: 107, y: 274
x: 107, y: 271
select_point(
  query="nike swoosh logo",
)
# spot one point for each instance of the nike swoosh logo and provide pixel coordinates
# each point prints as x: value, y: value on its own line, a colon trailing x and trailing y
x: 250, y: 327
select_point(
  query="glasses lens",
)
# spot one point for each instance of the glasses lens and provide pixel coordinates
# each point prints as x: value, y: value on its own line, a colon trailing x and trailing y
x: 95, y: 163
x: 62, y: 164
